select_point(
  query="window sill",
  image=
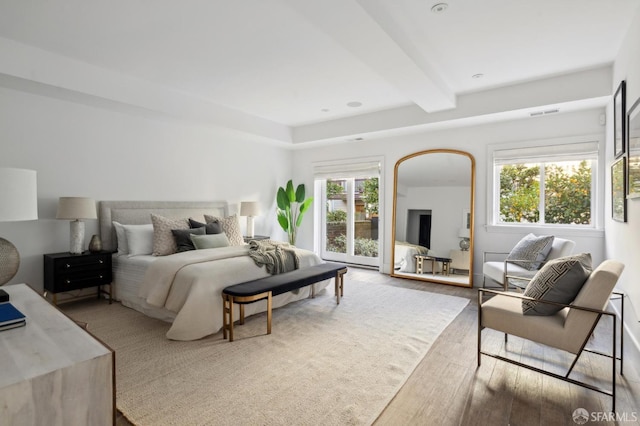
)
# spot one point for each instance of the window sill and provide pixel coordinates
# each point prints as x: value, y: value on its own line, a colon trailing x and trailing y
x: 546, y: 230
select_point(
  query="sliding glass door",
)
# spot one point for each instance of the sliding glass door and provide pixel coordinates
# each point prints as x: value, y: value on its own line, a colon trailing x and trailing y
x: 350, y: 219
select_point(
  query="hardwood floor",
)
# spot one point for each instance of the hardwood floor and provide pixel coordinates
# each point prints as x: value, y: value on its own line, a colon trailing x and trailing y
x: 447, y: 388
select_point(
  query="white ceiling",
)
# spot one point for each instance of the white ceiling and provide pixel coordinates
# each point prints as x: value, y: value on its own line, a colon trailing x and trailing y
x: 281, y: 68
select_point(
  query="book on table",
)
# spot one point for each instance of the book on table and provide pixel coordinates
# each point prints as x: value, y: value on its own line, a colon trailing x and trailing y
x: 10, y: 316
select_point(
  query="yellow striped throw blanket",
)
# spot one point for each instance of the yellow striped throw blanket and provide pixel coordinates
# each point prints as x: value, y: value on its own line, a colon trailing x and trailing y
x: 275, y: 257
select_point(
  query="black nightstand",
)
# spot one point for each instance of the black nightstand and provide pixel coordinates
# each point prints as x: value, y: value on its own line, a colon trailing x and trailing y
x: 65, y: 272
x: 256, y: 237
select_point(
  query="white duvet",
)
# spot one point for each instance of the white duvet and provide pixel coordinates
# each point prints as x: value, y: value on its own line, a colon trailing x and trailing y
x: 191, y: 283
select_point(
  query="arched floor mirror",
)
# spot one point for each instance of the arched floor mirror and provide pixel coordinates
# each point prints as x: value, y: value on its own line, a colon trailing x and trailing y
x: 433, y: 207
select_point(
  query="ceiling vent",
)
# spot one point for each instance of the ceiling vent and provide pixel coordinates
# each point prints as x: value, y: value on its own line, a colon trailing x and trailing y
x: 539, y: 113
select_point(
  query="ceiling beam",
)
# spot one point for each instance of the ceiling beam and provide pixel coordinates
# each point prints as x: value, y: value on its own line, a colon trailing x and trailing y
x: 360, y: 33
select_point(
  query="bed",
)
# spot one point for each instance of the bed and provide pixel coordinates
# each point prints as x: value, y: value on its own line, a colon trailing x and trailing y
x: 182, y: 288
x: 404, y: 257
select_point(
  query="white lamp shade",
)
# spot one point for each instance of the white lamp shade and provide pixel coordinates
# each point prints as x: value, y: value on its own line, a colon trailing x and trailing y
x: 249, y: 208
x: 463, y: 233
x: 73, y: 208
x: 18, y: 195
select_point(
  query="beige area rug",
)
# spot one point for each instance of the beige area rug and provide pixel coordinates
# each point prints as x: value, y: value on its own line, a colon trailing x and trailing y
x: 323, y: 364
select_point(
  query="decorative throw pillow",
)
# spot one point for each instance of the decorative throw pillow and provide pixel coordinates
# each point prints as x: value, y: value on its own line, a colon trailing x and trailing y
x: 210, y: 241
x: 559, y: 280
x: 534, y: 250
x: 163, y: 241
x: 183, y: 238
x: 230, y: 226
x: 210, y: 228
x: 139, y: 239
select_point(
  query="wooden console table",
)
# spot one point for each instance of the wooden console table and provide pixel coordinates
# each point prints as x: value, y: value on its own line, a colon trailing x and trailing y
x: 53, y: 371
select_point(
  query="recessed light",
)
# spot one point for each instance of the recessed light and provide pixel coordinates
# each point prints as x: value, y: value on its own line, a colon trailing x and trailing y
x: 325, y: 110
x: 354, y: 104
x: 439, y: 7
x: 479, y: 75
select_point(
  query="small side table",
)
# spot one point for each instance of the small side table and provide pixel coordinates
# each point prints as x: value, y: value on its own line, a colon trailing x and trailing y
x: 65, y: 272
x: 420, y: 258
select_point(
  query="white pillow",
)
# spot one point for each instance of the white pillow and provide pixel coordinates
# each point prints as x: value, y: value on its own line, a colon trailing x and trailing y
x: 121, y: 237
x: 139, y: 239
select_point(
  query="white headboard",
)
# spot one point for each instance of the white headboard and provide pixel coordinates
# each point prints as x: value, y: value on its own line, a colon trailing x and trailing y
x: 139, y: 212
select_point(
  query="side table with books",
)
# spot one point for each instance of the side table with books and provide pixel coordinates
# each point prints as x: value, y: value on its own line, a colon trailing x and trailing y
x: 10, y: 316
x: 50, y: 351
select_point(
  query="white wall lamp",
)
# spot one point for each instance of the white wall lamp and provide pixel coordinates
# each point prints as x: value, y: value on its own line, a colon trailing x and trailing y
x: 75, y: 209
x: 18, y: 201
x: 250, y: 209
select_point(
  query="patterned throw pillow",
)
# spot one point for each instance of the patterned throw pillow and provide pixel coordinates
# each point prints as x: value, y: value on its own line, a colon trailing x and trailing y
x: 230, y: 226
x: 532, y: 249
x: 560, y: 280
x: 163, y: 241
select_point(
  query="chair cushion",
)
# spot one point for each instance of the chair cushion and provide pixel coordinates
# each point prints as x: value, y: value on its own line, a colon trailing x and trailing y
x: 533, y: 250
x: 504, y: 313
x: 559, y: 280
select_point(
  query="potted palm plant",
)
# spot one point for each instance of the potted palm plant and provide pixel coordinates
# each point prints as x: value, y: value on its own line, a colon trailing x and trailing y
x: 291, y: 208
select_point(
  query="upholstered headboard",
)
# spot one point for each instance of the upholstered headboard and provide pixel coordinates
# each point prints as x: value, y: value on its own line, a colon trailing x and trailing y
x: 139, y: 212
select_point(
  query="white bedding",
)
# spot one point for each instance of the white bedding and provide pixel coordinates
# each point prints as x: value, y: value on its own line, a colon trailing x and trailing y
x: 128, y: 273
x: 404, y: 256
x: 188, y: 286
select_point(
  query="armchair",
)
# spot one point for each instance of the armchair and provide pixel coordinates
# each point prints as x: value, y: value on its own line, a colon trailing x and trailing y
x: 505, y: 271
x: 569, y: 329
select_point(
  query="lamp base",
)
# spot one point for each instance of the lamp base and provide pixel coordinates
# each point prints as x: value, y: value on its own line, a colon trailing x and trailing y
x: 9, y: 261
x: 464, y: 244
x: 250, y: 227
x: 77, y: 237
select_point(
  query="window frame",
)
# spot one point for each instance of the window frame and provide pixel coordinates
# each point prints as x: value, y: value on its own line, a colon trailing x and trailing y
x: 596, y: 228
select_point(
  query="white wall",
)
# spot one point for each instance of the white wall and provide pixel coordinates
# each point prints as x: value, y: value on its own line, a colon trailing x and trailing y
x: 623, y: 239
x: 474, y: 140
x: 80, y: 150
x: 446, y: 204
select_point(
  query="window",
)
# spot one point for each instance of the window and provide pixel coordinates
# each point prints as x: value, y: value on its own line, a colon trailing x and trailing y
x: 547, y: 185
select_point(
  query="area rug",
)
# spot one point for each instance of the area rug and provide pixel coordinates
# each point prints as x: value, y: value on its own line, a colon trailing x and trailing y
x: 323, y: 363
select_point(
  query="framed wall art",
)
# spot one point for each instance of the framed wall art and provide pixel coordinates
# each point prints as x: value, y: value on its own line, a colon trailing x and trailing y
x: 633, y: 149
x: 618, y: 190
x: 619, y: 119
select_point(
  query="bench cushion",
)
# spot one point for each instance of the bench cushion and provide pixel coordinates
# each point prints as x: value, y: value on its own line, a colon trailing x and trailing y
x: 288, y: 281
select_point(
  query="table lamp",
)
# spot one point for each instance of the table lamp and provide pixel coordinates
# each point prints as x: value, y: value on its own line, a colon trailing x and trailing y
x: 463, y: 233
x: 18, y: 201
x: 250, y: 209
x: 76, y: 209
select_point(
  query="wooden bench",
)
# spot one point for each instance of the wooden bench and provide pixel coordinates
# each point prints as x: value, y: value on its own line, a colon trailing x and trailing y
x: 273, y: 285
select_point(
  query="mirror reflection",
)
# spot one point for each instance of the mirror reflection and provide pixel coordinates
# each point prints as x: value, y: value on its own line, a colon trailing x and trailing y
x: 433, y: 217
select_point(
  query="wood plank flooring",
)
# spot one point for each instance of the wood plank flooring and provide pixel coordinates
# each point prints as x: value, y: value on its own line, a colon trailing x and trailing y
x: 447, y: 388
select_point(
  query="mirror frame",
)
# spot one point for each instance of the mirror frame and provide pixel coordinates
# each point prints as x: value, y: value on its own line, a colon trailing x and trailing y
x: 471, y: 220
